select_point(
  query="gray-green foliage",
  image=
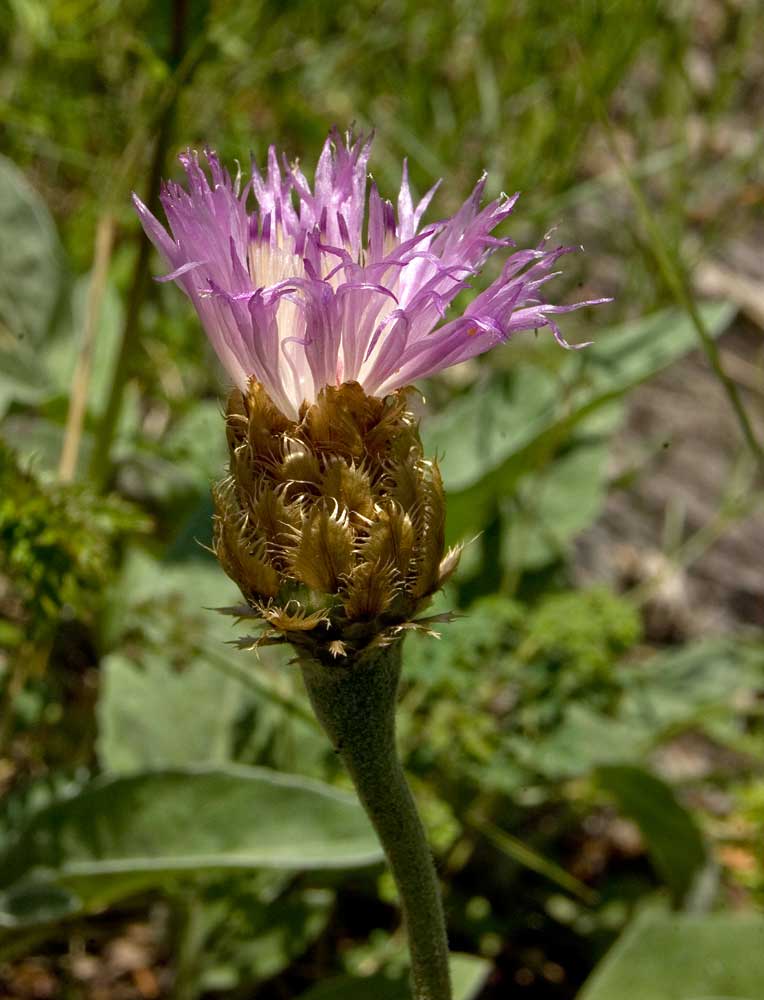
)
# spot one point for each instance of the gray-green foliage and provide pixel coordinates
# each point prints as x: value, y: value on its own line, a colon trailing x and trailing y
x: 254, y: 928
x: 555, y: 699
x: 498, y: 441
x: 682, y: 957
x: 30, y: 259
x: 154, y: 714
x: 117, y: 836
x: 545, y: 701
x: 536, y: 666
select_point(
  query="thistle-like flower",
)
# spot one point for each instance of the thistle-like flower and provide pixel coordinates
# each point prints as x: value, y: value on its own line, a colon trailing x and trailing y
x: 331, y: 520
x: 324, y: 304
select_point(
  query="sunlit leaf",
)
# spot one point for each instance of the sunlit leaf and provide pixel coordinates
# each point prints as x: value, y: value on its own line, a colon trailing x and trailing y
x: 504, y: 429
x: 552, y: 506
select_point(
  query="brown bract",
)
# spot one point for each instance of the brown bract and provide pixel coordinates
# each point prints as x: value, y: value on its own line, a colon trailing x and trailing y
x: 332, y: 525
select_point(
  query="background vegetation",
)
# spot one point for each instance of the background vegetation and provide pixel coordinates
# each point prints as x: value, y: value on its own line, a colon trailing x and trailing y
x: 586, y: 742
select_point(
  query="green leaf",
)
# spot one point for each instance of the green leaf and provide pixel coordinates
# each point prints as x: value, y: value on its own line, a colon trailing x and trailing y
x: 61, y: 354
x: 477, y: 432
x: 36, y: 901
x: 191, y: 587
x: 468, y: 973
x: 258, y: 937
x: 502, y: 430
x: 705, y: 682
x: 121, y: 835
x: 679, y: 957
x: 674, y: 841
x: 151, y: 714
x: 555, y: 504
x: 37, y: 440
x: 19, y: 377
x: 634, y: 351
x: 197, y: 443
x: 30, y: 258
x: 702, y: 684
x: 583, y: 740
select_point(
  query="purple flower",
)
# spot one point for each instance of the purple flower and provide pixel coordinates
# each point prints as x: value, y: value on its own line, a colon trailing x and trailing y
x: 296, y: 294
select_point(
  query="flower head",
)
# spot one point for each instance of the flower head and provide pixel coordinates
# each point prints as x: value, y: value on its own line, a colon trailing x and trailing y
x: 324, y: 303
x: 333, y: 524
x: 329, y: 284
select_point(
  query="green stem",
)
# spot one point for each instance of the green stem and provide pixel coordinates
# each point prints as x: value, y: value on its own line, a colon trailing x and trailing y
x: 355, y: 703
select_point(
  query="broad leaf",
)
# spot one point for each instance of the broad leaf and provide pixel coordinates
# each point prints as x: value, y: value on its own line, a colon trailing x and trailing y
x: 716, y: 957
x: 506, y: 428
x: 119, y: 835
x: 552, y: 506
x: 194, y: 586
x: 151, y: 714
x: 30, y: 259
x: 705, y: 682
x: 20, y: 378
x: 197, y: 442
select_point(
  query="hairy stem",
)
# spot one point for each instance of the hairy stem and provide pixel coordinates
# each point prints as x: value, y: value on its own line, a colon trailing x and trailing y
x: 355, y: 703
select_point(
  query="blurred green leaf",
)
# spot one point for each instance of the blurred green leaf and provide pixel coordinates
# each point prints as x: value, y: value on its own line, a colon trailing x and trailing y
x: 61, y: 353
x: 38, y: 440
x: 553, y: 505
x: 468, y: 973
x: 258, y: 937
x: 633, y: 707
x: 36, y: 901
x: 152, y: 714
x: 119, y: 835
x: 20, y: 378
x: 479, y: 431
x: 197, y: 442
x: 706, y: 682
x: 30, y: 259
x: 584, y: 739
x: 677, y: 957
x: 497, y: 433
x: 189, y: 588
x: 674, y: 841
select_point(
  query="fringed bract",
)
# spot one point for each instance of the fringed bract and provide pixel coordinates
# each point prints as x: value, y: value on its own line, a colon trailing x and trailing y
x: 332, y: 525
